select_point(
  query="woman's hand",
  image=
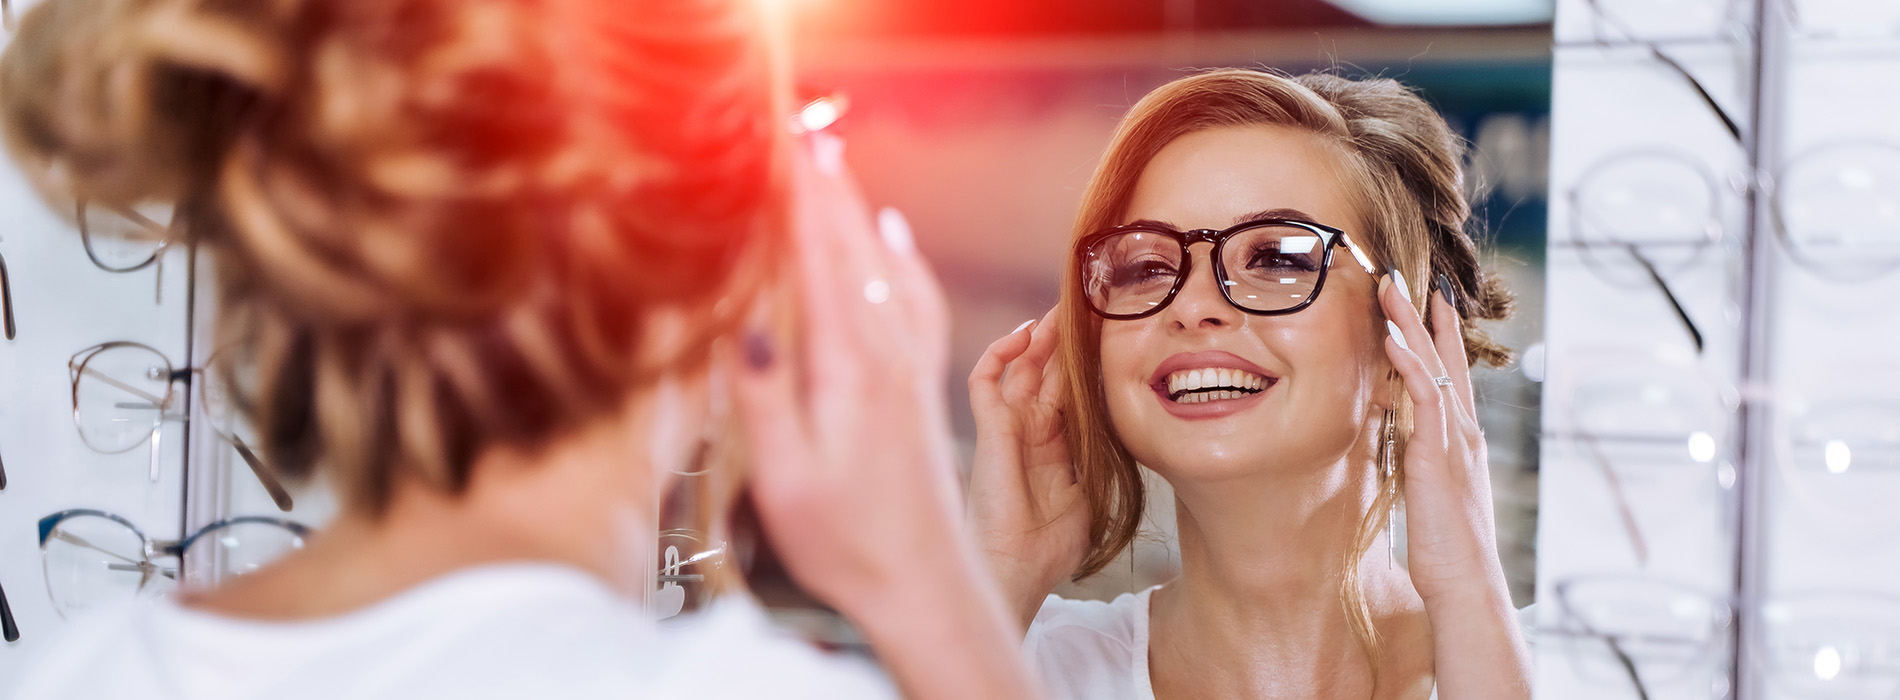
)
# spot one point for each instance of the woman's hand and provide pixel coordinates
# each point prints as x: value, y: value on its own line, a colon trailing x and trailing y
x: 1451, y: 539
x: 1030, y: 518
x: 853, y: 468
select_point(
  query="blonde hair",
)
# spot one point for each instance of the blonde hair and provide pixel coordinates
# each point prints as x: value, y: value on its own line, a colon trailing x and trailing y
x: 439, y: 226
x: 1406, y: 167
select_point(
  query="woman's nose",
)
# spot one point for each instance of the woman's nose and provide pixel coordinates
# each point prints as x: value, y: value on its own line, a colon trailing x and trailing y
x: 1200, y: 303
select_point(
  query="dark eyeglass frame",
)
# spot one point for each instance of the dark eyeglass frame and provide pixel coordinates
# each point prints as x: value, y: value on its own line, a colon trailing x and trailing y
x: 8, y: 630
x: 1334, y: 238
x: 159, y: 548
x: 79, y: 366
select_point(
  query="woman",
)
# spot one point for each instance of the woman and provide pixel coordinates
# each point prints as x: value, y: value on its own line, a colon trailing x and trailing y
x: 480, y: 259
x: 1283, y: 381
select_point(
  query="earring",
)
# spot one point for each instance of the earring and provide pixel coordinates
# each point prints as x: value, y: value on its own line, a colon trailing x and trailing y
x: 1388, y: 468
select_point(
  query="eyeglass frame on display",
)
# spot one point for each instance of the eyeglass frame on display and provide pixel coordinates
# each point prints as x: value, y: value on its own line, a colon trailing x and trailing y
x: 6, y: 298
x: 1333, y: 238
x: 1717, y: 235
x: 153, y: 548
x: 1777, y: 213
x: 1725, y: 396
x: 162, y: 232
x: 1724, y: 605
x: 76, y: 368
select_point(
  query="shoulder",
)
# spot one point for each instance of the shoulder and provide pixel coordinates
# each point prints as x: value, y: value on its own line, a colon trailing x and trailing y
x: 733, y: 650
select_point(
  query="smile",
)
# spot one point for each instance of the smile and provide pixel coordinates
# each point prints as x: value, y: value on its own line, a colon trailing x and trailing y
x: 1206, y: 384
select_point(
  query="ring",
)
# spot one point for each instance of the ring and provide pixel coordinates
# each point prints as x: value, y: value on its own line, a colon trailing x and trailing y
x: 877, y: 291
x: 1442, y: 381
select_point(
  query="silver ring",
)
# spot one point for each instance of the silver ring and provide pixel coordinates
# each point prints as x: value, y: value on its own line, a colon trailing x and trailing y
x: 877, y: 291
x: 1442, y: 381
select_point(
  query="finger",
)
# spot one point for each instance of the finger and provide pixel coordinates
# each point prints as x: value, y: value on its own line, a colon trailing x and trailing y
x: 1026, y: 373
x: 1450, y: 343
x: 1399, y: 313
x: 765, y: 400
x: 1428, y: 403
x: 987, y: 377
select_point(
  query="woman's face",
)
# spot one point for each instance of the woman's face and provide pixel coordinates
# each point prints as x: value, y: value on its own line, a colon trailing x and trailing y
x: 1320, y: 370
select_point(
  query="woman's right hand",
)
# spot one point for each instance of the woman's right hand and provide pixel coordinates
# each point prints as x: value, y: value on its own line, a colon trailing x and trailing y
x: 1028, y: 511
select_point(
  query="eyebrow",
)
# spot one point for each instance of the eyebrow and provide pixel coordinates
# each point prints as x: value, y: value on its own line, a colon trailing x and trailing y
x: 1280, y: 213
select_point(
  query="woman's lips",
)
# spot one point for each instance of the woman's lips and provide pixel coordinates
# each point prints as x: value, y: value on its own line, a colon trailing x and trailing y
x: 1209, y: 384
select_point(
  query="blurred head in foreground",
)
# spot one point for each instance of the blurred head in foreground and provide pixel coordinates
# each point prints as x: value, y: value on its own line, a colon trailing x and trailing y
x: 442, y: 229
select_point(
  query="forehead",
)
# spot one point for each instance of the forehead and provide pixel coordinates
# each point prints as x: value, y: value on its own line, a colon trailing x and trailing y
x: 1215, y: 178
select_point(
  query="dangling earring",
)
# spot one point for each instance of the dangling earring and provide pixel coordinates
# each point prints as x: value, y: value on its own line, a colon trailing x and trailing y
x: 1387, y: 469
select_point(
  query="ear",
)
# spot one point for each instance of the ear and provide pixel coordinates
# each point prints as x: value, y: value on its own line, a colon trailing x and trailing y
x: 1388, y: 387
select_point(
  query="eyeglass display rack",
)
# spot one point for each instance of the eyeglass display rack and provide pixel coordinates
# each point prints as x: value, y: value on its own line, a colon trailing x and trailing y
x: 63, y: 300
x: 1721, y: 449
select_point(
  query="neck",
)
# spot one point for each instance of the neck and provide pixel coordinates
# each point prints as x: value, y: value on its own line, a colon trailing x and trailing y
x: 1263, y: 563
x: 584, y: 501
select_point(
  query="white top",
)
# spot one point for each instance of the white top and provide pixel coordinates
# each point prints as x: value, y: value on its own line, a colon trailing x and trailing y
x: 502, y: 631
x: 1094, y: 650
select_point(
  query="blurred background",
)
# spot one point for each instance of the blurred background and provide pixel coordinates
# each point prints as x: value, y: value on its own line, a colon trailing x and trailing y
x: 983, y: 120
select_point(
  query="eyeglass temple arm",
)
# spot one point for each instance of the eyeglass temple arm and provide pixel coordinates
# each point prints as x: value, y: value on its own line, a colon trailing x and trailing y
x: 6, y: 298
x: 1629, y: 667
x: 1358, y: 255
x: 78, y: 541
x: 275, y: 488
x: 1707, y: 99
x: 1622, y: 503
x: 8, y: 631
x: 157, y: 402
x: 1695, y: 333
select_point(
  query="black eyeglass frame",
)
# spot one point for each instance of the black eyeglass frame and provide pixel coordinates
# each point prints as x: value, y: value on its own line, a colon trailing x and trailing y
x: 1333, y: 237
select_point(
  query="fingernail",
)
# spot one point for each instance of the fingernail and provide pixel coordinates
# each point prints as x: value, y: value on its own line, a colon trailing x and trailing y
x: 1020, y: 328
x: 1398, y: 280
x: 1393, y: 328
x: 758, y: 350
x: 895, y: 229
x: 1445, y: 292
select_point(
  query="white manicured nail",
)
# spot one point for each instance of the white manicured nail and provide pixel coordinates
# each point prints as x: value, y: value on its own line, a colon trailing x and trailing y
x: 895, y: 229
x: 1020, y: 328
x: 1398, y: 280
x: 1393, y: 328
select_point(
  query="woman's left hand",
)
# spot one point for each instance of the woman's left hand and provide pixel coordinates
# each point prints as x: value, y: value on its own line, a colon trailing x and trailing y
x: 1451, y: 537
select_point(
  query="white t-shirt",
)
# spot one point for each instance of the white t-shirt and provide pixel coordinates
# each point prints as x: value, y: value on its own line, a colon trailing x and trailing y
x: 500, y: 631
x: 1094, y: 650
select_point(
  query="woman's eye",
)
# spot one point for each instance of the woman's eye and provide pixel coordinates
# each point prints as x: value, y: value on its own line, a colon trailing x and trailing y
x: 1140, y: 272
x: 1273, y: 259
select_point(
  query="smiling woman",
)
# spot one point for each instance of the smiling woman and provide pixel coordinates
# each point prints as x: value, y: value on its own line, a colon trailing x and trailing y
x: 1291, y: 396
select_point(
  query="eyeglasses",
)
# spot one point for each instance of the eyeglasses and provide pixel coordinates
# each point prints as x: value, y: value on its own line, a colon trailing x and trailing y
x: 1659, y: 208
x: 126, y: 240
x: 1642, y: 635
x: 92, y: 557
x: 1264, y: 267
x: 8, y: 631
x: 122, y: 393
x: 1659, y: 425
x: 1838, y: 456
x: 1649, y: 636
x: 1837, y: 209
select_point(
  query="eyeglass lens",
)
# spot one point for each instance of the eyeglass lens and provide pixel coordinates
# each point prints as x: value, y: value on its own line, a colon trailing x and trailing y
x: 121, y: 395
x: 1268, y: 268
x: 1840, y: 209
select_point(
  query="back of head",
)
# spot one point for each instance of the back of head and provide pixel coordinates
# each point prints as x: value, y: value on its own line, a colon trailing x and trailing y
x: 439, y: 226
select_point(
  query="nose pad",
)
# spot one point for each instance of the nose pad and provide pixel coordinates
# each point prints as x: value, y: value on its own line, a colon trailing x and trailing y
x: 1200, y: 302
